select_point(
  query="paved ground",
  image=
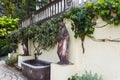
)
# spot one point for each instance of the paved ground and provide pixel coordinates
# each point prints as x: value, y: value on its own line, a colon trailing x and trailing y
x: 9, y: 73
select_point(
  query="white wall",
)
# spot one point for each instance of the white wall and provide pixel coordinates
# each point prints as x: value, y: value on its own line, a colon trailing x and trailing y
x: 62, y: 72
x: 20, y: 49
x: 99, y: 57
x: 103, y: 58
x: 49, y: 55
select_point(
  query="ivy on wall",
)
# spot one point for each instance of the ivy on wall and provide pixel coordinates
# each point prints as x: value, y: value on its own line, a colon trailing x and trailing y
x: 83, y: 18
x: 108, y: 10
x: 81, y: 22
x: 45, y: 35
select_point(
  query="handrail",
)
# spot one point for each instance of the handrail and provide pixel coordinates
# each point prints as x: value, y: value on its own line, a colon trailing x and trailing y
x: 52, y: 9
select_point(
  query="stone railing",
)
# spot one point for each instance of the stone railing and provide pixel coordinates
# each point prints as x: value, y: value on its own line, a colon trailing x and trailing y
x: 55, y: 8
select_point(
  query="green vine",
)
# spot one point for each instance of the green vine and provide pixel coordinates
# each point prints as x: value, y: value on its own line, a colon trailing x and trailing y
x: 83, y: 18
x: 14, y: 36
x: 108, y: 10
x: 14, y: 39
x: 81, y: 23
x: 45, y: 35
x: 49, y: 33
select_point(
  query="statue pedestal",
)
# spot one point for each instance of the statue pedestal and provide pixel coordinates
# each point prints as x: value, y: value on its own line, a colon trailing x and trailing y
x: 62, y: 72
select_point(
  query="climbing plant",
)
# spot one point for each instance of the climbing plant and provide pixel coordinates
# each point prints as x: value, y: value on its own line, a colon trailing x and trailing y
x: 108, y: 10
x: 49, y: 34
x: 20, y: 35
x: 83, y: 18
x: 14, y: 39
x: 32, y: 33
x: 45, y: 35
x: 81, y: 22
x: 14, y: 36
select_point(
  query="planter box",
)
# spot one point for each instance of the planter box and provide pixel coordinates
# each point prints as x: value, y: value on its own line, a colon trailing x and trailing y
x: 13, y: 54
x: 36, y: 69
x: 24, y: 58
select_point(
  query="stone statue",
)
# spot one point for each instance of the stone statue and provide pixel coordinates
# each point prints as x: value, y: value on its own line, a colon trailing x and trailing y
x: 63, y: 40
x: 25, y: 49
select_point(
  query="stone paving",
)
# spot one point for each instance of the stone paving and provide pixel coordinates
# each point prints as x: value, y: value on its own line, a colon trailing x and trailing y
x: 9, y: 73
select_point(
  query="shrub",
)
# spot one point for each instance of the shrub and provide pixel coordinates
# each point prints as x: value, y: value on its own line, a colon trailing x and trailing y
x: 4, y: 47
x: 11, y: 60
x: 86, y: 76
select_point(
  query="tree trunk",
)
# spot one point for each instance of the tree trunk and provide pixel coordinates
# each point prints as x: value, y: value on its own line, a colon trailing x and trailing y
x: 25, y: 46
